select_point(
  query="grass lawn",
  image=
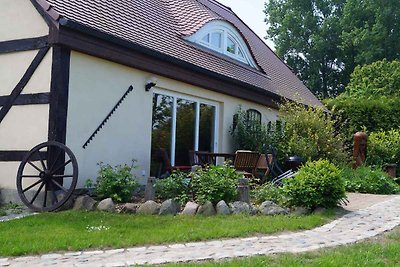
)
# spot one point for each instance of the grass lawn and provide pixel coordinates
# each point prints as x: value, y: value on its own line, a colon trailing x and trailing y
x: 380, y: 251
x: 72, y: 230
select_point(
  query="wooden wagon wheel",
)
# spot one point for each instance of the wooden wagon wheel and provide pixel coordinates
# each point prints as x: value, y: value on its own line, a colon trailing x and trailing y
x: 47, y: 176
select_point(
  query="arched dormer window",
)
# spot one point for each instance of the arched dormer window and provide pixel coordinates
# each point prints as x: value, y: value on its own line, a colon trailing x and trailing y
x: 222, y: 37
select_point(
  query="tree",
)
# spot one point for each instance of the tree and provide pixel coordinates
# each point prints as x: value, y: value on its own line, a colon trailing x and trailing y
x: 371, y: 31
x: 324, y: 40
x: 307, y: 36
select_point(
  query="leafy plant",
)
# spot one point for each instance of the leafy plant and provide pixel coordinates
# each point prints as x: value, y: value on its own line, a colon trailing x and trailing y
x: 116, y: 182
x: 268, y: 192
x: 310, y: 134
x: 317, y: 184
x: 247, y: 134
x: 176, y: 186
x: 215, y: 183
x: 384, y: 147
x: 366, y: 180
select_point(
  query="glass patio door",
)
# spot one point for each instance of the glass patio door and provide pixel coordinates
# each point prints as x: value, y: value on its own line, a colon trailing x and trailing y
x: 181, y: 123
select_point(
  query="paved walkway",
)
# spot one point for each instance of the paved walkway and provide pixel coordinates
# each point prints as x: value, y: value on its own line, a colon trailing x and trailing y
x: 365, y: 222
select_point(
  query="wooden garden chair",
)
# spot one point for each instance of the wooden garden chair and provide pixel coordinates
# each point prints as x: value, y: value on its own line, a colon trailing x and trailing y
x: 246, y: 162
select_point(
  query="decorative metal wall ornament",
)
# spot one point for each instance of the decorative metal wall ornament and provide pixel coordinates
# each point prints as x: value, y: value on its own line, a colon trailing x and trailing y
x: 47, y: 176
x: 107, y: 117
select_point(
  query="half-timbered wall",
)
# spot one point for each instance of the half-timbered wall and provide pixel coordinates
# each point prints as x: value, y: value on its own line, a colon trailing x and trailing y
x: 25, y: 64
x: 95, y: 87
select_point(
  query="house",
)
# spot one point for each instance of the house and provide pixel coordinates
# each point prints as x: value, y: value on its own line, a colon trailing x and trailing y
x: 114, y: 79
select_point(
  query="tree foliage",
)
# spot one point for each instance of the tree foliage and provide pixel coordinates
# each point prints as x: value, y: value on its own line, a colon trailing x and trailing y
x: 324, y: 40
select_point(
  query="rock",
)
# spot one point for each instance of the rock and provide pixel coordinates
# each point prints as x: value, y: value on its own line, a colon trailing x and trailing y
x: 240, y: 207
x: 69, y: 204
x: 223, y: 208
x: 319, y: 210
x: 150, y: 207
x: 128, y: 208
x: 85, y: 203
x: 270, y: 208
x: 169, y: 207
x: 190, y: 208
x: 207, y: 209
x: 300, y: 211
x: 106, y: 205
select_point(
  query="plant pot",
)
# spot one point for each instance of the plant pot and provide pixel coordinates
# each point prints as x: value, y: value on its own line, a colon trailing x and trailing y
x: 294, y: 163
x: 391, y: 170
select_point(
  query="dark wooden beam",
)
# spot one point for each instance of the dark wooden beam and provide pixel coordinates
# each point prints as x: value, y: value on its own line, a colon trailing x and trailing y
x: 41, y: 11
x: 101, y: 45
x: 27, y: 99
x: 22, y: 83
x: 23, y: 44
x: 18, y: 155
x: 59, y: 88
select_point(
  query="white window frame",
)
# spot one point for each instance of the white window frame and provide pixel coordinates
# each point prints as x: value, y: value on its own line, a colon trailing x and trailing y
x: 198, y: 101
x: 227, y: 30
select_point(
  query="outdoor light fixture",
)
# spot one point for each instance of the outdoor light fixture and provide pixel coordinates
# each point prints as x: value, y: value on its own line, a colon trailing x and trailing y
x: 150, y: 83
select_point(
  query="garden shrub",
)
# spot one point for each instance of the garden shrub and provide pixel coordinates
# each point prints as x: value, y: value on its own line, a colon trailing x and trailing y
x: 366, y: 180
x: 116, y: 182
x: 310, y: 134
x: 384, y: 147
x: 317, y: 184
x: 381, y: 78
x: 247, y: 134
x: 175, y: 186
x: 215, y: 183
x: 370, y: 115
x: 268, y: 192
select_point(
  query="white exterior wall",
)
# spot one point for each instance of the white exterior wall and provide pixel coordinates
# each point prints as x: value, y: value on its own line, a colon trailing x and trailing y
x: 96, y: 85
x: 24, y: 126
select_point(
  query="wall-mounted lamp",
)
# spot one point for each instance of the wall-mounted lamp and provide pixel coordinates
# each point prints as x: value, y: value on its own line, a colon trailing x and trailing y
x: 150, y: 83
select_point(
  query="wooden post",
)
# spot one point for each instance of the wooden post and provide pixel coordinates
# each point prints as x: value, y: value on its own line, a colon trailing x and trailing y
x: 244, y: 189
x: 149, y: 193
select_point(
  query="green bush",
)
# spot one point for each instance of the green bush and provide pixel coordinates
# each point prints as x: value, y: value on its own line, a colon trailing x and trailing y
x: 247, y: 134
x: 176, y: 186
x: 371, y: 115
x: 215, y: 183
x: 268, y: 192
x: 381, y: 78
x: 310, y: 134
x: 317, y: 184
x: 384, y: 148
x: 116, y: 182
x: 366, y: 180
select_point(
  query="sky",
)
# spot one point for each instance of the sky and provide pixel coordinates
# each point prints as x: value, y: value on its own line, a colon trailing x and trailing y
x: 251, y: 12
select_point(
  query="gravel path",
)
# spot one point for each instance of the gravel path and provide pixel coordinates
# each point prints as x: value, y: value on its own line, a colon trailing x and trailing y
x: 366, y: 221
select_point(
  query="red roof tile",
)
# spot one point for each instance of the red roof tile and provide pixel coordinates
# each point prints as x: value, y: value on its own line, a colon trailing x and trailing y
x: 161, y: 25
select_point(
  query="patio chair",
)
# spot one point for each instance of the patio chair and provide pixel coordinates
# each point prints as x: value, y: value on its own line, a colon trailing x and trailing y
x: 246, y: 162
x: 165, y: 168
x: 277, y: 172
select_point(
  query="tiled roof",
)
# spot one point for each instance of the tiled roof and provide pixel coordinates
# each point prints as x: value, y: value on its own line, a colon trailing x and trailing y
x: 161, y: 25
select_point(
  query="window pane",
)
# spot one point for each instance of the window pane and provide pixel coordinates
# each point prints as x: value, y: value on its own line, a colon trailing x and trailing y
x: 216, y: 39
x: 185, y: 127
x: 230, y: 46
x: 206, y: 131
x: 206, y: 38
x: 161, y: 131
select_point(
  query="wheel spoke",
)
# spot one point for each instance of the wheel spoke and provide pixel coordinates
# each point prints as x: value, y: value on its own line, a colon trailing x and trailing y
x: 37, y: 193
x: 62, y: 166
x: 34, y: 166
x: 41, y: 160
x: 63, y: 175
x: 45, y: 196
x: 30, y: 176
x: 31, y: 186
x: 59, y: 186
x: 56, y: 159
